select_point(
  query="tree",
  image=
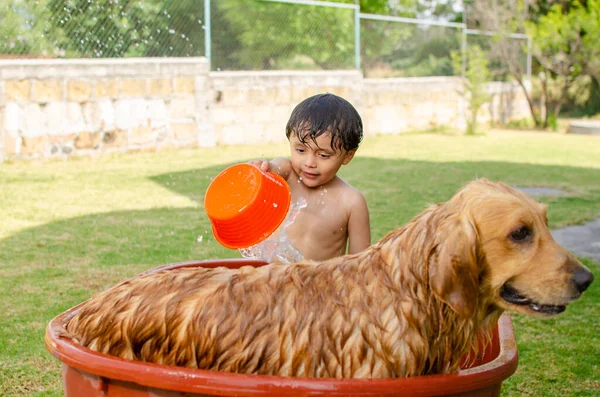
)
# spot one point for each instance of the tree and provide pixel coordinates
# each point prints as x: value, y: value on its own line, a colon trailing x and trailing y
x: 477, y: 75
x: 24, y: 30
x: 508, y: 17
x: 589, y: 18
x: 557, y: 42
x: 565, y: 36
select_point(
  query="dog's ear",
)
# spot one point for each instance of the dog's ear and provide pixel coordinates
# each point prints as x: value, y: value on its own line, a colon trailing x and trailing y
x: 453, y: 270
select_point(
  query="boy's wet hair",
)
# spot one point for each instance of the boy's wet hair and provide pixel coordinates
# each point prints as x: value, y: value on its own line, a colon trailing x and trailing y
x: 324, y: 113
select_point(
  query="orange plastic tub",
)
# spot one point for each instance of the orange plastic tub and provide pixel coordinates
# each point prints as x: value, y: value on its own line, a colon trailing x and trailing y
x: 91, y: 374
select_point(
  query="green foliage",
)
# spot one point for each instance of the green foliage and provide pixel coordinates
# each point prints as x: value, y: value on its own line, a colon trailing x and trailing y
x: 555, y: 35
x: 102, y: 28
x: 108, y: 28
x: 566, y: 46
x: 476, y: 77
x: 272, y: 35
x: 23, y: 30
x: 270, y: 32
x: 424, y: 52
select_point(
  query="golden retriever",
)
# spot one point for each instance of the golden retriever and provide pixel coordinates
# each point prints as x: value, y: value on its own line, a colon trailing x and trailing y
x: 412, y: 304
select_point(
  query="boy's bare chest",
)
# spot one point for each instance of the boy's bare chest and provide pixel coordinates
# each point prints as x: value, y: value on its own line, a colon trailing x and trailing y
x: 325, y: 215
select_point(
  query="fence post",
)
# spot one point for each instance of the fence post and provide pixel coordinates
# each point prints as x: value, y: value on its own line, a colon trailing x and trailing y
x: 207, y: 38
x: 357, y: 36
x: 463, y: 44
x: 529, y: 60
x: 463, y: 51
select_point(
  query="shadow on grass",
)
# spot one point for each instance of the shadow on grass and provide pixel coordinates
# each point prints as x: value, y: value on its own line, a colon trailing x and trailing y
x: 47, y: 269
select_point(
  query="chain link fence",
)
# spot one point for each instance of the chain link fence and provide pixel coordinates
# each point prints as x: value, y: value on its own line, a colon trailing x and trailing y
x: 101, y: 28
x: 245, y: 35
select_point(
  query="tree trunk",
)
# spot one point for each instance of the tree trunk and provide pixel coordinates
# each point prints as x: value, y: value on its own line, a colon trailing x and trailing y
x: 519, y: 80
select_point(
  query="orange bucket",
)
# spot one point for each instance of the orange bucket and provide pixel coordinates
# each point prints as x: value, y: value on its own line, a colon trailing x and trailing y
x: 246, y: 205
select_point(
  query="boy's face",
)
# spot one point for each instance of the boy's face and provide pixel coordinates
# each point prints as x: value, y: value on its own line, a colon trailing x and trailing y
x: 316, y: 162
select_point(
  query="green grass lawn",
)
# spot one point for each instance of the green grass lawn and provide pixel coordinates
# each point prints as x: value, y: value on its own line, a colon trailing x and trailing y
x: 70, y: 229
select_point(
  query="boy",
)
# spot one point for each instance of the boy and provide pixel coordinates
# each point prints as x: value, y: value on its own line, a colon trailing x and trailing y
x: 324, y: 132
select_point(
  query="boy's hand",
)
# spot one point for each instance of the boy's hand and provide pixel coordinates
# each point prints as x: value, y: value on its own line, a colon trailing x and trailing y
x: 264, y: 165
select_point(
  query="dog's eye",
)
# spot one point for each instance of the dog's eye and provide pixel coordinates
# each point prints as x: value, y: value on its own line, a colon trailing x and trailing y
x: 521, y: 234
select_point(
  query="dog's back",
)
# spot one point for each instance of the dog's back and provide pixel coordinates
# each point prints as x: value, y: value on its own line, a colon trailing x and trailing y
x: 324, y: 320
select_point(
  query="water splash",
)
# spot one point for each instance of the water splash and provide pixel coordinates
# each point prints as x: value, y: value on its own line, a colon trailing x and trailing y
x: 278, y: 249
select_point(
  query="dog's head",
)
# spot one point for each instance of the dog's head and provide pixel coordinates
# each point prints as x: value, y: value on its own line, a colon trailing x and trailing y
x: 496, y: 246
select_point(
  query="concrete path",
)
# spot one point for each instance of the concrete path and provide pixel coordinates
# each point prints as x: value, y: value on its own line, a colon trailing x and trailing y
x: 582, y: 240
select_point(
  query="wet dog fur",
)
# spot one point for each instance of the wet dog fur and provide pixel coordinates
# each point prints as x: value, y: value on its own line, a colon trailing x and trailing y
x: 412, y: 304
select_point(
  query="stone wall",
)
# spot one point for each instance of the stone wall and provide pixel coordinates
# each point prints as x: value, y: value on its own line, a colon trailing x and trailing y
x: 74, y: 107
x: 64, y: 107
x: 252, y: 107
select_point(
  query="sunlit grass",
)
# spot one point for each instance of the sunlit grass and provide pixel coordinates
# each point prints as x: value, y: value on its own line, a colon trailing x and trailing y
x: 72, y: 228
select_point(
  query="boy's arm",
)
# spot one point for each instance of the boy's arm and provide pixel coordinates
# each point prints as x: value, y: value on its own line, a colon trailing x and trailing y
x: 281, y: 166
x: 359, y: 225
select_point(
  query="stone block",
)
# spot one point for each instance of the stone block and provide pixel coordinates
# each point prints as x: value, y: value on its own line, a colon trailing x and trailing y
x: 66, y: 138
x: 75, y: 119
x: 87, y: 140
x: 242, y: 134
x: 133, y: 88
x: 131, y: 113
x: 160, y: 87
x: 389, y: 120
x: 55, y: 115
x: 232, y: 97
x: 182, y: 107
x: 280, y: 116
x: 184, y: 85
x: 114, y: 139
x: 13, y: 117
x: 17, y: 90
x: 258, y: 97
x: 261, y: 114
x: 184, y: 132
x: 34, y: 123
x: 217, y: 130
x: 105, y: 114
x: 158, y: 113
x: 274, y: 133
x: 283, y: 95
x: 79, y: 91
x: 107, y: 88
x: 162, y: 135
x: 222, y: 115
x: 206, y: 136
x: 301, y: 93
x: 32, y: 146
x: 47, y: 90
x: 141, y: 136
x: 12, y: 145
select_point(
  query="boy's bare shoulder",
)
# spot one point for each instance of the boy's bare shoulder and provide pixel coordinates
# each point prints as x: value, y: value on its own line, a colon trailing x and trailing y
x: 352, y: 195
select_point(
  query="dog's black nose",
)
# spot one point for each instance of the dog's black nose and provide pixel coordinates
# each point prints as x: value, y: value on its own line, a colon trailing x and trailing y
x: 582, y: 279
